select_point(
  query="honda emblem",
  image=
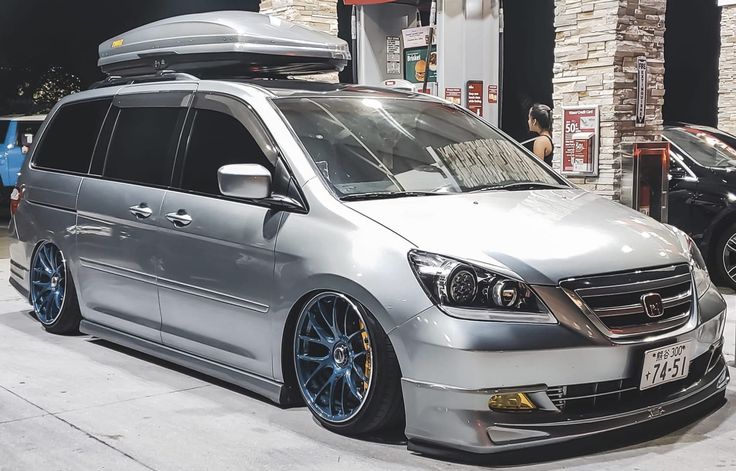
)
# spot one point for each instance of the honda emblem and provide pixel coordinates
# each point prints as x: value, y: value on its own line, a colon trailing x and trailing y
x: 653, y: 306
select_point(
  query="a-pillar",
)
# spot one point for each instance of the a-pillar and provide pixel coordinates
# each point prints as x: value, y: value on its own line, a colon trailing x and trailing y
x: 727, y: 67
x: 596, y: 49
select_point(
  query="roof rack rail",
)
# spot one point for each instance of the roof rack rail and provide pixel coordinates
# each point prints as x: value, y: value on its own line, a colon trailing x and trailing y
x: 160, y: 76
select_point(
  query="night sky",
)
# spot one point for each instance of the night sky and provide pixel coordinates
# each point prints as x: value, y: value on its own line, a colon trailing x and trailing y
x: 38, y: 34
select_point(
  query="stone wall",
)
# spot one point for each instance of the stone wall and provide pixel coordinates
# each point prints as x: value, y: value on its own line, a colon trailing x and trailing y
x: 596, y: 48
x: 316, y: 14
x: 727, y: 71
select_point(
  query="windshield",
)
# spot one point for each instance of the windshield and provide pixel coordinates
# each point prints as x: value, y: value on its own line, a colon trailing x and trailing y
x: 704, y: 147
x: 395, y: 146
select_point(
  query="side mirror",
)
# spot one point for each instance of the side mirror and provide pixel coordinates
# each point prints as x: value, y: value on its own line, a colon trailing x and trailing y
x: 247, y: 181
x: 677, y: 172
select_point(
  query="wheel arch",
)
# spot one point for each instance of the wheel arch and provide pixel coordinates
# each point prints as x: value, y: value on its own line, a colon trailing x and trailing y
x: 713, y: 232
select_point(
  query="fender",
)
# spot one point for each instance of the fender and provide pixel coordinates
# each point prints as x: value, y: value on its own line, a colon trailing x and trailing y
x: 726, y: 216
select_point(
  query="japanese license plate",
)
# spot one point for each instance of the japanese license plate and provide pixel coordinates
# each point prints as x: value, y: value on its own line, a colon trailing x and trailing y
x: 665, y: 364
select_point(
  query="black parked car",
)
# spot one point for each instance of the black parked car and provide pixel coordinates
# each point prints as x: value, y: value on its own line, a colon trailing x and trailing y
x: 702, y: 193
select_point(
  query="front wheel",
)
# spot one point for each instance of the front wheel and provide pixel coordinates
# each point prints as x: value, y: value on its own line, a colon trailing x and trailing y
x: 53, y: 296
x: 347, y: 370
x: 724, y: 257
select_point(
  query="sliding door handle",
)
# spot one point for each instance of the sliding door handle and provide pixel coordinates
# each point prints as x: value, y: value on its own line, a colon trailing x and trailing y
x: 179, y: 218
x: 142, y: 211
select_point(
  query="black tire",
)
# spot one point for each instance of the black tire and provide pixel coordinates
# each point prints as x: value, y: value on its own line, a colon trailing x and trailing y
x: 383, y: 405
x: 69, y: 316
x: 68, y: 321
x: 721, y: 260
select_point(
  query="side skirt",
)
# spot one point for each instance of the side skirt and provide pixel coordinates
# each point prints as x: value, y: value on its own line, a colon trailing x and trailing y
x: 270, y: 389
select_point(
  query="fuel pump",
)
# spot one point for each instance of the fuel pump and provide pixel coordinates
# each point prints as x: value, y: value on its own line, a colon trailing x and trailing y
x: 645, y: 179
x: 456, y: 57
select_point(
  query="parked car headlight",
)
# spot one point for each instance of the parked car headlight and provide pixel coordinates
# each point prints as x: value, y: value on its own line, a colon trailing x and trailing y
x: 697, y: 262
x: 468, y: 291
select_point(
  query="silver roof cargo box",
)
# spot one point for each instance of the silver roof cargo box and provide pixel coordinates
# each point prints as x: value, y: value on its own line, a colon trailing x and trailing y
x: 223, y: 43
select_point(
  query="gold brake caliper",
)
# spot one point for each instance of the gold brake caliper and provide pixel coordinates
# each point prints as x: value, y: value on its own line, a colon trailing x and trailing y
x: 368, y: 354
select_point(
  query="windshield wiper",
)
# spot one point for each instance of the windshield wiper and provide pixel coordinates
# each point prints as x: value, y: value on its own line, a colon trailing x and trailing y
x: 517, y: 186
x: 377, y: 195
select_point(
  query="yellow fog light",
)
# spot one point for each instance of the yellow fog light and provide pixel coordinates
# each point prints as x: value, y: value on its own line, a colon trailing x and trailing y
x: 511, y: 401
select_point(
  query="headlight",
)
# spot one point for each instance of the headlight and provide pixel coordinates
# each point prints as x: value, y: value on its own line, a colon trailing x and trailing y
x: 471, y: 292
x: 697, y: 262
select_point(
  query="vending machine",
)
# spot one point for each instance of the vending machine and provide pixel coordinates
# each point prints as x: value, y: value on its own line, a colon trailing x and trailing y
x: 462, y: 65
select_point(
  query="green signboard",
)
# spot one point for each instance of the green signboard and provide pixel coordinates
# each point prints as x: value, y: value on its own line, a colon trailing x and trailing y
x: 415, y: 64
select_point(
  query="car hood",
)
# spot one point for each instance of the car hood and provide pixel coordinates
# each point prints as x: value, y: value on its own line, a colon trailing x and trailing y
x: 543, y: 236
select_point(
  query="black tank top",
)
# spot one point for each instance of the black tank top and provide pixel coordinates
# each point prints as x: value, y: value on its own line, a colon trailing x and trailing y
x: 548, y: 158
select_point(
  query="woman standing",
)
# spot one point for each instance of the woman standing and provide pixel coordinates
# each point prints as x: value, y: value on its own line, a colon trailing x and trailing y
x: 540, y: 122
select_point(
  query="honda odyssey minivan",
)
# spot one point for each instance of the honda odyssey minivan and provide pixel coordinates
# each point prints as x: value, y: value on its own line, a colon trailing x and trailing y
x: 380, y: 256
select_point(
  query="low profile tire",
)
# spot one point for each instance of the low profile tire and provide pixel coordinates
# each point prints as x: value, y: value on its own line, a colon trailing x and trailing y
x: 724, y: 257
x: 53, y: 296
x: 345, y: 365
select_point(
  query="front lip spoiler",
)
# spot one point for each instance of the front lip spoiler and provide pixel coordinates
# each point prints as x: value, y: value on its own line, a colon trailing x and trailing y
x: 514, y: 436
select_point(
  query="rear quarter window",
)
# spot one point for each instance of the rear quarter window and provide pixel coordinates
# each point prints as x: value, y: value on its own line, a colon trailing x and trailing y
x: 70, y: 138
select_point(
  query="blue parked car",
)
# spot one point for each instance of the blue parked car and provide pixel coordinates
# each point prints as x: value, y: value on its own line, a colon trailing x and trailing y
x: 16, y: 137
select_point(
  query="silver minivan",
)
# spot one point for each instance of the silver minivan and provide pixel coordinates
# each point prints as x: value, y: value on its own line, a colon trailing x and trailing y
x: 380, y: 256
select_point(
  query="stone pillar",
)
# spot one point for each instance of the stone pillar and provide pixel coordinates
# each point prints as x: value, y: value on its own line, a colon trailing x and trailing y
x: 596, y: 48
x: 315, y: 14
x: 727, y: 70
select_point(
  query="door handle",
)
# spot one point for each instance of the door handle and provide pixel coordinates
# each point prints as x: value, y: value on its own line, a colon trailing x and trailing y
x: 142, y: 211
x: 179, y: 218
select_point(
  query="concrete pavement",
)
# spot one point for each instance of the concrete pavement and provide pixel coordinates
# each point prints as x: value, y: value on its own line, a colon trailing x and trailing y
x: 76, y: 403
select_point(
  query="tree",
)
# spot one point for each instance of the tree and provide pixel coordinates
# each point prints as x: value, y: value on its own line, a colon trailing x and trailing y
x: 55, y: 84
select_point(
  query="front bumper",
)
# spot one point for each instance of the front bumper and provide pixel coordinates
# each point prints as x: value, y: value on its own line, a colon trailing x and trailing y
x: 451, y: 367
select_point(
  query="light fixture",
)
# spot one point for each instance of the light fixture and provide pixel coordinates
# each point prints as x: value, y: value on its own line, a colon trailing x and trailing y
x: 517, y: 401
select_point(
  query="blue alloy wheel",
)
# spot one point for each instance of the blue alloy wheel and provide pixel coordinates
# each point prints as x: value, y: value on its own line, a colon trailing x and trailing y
x: 48, y: 283
x: 333, y: 357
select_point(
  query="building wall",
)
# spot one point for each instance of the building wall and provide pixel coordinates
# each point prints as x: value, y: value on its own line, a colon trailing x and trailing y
x: 727, y: 69
x: 317, y: 14
x: 597, y: 43
x: 596, y: 48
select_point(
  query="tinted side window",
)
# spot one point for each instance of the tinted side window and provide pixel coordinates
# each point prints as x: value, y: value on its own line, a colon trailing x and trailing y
x: 70, y: 138
x: 143, y: 145
x: 217, y: 139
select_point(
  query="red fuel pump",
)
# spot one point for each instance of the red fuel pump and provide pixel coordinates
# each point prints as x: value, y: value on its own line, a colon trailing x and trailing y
x: 651, y: 168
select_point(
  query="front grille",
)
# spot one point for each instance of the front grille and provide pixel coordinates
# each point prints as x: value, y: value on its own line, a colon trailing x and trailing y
x: 614, y: 301
x: 613, y: 396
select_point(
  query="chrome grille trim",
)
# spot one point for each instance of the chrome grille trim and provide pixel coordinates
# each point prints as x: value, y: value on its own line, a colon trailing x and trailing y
x: 612, y: 301
x: 634, y: 287
x: 673, y: 301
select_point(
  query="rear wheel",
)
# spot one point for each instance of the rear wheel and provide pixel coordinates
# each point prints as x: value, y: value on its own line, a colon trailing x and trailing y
x: 53, y: 296
x: 346, y: 367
